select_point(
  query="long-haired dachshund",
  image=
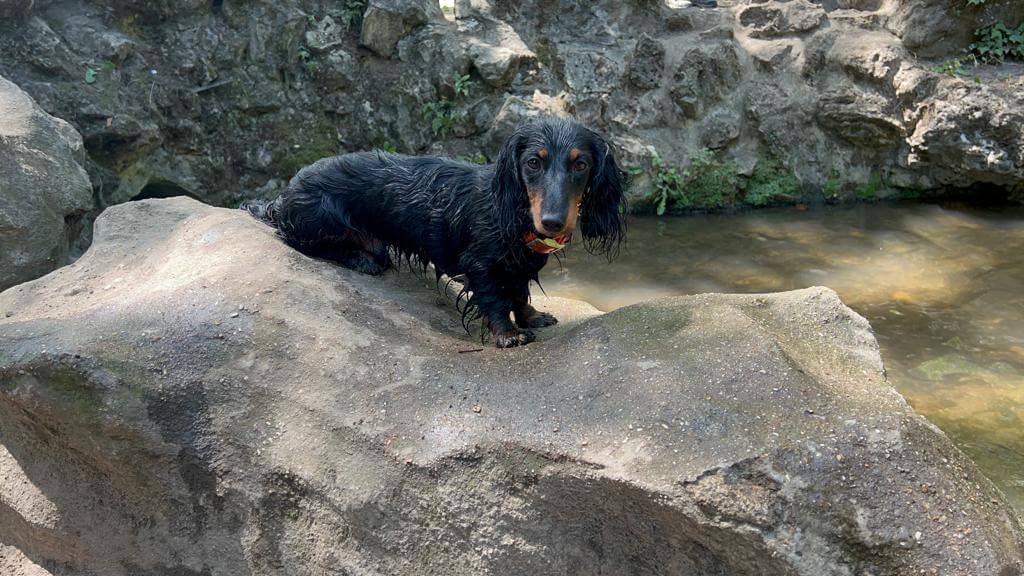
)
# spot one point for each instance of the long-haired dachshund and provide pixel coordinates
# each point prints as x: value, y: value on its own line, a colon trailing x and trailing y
x: 495, y: 224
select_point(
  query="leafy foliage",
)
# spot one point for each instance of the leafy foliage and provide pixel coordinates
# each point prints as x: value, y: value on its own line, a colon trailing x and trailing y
x: 712, y: 183
x: 443, y: 114
x: 477, y: 158
x: 307, y: 59
x: 461, y: 85
x: 709, y: 183
x: 352, y: 12
x: 770, y: 182
x: 997, y: 42
x: 870, y: 190
x: 704, y: 183
x: 953, y: 67
x: 832, y: 186
x: 669, y: 185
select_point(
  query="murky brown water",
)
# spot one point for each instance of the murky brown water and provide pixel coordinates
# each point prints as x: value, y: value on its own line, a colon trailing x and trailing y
x: 943, y: 288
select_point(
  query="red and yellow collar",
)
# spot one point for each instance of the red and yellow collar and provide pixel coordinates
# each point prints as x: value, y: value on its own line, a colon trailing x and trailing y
x: 544, y: 245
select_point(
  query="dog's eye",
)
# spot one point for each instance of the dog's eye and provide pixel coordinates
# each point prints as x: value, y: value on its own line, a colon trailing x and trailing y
x: 580, y: 166
x: 533, y: 163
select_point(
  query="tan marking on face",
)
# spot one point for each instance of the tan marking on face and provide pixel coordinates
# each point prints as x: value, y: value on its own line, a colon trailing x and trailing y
x: 536, y: 205
x: 574, y: 154
x: 574, y: 214
x: 543, y: 153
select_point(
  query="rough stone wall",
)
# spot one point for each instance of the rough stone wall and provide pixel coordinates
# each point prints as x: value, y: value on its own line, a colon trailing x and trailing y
x: 224, y: 100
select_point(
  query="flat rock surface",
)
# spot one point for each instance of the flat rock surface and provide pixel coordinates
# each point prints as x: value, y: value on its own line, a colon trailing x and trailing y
x: 194, y: 397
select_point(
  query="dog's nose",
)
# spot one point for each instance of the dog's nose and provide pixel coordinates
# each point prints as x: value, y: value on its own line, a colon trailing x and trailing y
x: 552, y: 223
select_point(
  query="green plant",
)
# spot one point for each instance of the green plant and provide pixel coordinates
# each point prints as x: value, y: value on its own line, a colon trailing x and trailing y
x: 306, y: 57
x: 477, y: 158
x: 871, y: 188
x: 668, y: 185
x: 461, y: 85
x: 352, y: 12
x: 995, y: 43
x: 388, y: 147
x: 712, y: 183
x: 770, y: 182
x: 442, y: 116
x: 832, y: 186
x: 952, y: 67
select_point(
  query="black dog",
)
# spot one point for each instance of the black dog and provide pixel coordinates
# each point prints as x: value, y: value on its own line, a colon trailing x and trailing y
x: 495, y: 224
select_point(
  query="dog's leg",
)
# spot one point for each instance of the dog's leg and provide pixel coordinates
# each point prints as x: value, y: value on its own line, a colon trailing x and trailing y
x: 496, y: 308
x: 526, y: 315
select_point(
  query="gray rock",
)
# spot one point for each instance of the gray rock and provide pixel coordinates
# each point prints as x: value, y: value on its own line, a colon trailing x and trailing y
x: 495, y: 50
x: 194, y: 397
x: 44, y: 190
x: 385, y: 22
x: 937, y: 28
x: 720, y: 128
x: 647, y: 66
x: 327, y: 34
x: 860, y: 118
x: 773, y: 19
x: 200, y: 97
x: 968, y: 132
x: 516, y: 111
x: 705, y: 75
x: 15, y: 9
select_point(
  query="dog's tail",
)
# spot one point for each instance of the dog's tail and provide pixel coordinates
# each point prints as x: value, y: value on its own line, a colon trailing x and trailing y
x: 263, y: 210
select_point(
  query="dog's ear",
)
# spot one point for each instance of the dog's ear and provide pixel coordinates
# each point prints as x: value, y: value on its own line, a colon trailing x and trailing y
x: 602, y: 213
x: 507, y: 186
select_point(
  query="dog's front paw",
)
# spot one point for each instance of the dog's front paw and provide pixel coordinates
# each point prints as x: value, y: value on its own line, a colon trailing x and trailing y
x: 513, y: 339
x: 541, y: 320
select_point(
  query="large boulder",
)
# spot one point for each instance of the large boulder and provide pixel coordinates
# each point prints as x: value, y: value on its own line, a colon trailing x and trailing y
x: 194, y: 397
x: 967, y: 133
x: 44, y: 191
x: 388, y: 21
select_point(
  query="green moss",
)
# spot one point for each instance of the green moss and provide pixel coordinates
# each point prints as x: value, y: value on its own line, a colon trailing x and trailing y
x: 477, y: 158
x: 712, y: 183
x: 832, y: 187
x: 322, y: 147
x: 870, y: 190
x: 770, y: 183
x: 129, y: 25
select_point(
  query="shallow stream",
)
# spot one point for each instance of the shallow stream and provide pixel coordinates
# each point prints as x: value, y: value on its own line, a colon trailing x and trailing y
x: 942, y: 286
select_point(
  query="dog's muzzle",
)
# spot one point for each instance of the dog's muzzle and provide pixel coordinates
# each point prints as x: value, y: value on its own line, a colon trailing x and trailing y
x: 544, y: 245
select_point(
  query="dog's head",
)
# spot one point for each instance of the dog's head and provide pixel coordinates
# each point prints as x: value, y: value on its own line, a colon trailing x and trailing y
x: 566, y: 174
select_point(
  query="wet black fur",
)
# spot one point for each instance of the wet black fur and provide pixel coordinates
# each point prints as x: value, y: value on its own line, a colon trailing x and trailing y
x: 466, y: 219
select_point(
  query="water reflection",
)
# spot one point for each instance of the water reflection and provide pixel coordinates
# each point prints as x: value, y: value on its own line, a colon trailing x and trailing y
x: 942, y: 288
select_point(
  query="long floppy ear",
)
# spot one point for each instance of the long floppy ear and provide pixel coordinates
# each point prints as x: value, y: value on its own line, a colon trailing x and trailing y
x: 602, y: 218
x: 507, y: 185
